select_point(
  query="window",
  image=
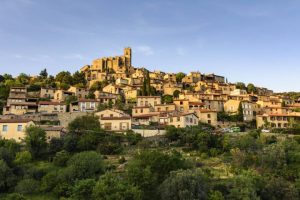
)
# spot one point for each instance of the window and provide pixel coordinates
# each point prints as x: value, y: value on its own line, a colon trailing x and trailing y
x: 19, y: 128
x: 208, y: 115
x: 92, y: 105
x: 4, y: 128
x: 111, y: 115
x: 178, y: 119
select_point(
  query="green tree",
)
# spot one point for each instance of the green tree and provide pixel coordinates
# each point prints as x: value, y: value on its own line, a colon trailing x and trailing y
x: 44, y: 74
x: 185, y: 184
x: 23, y: 157
x: 15, y: 196
x: 83, y: 189
x: 244, y: 186
x: 176, y: 93
x: 111, y: 186
x: 85, y: 164
x: 79, y: 78
x: 180, y: 76
x: 241, y: 85
x: 278, y: 188
x: 149, y: 169
x: 61, y: 158
x: 7, y: 178
x: 167, y: 99
x: 36, y: 141
x: 27, y: 186
x: 23, y: 79
x: 64, y: 77
x: 251, y: 88
x: 84, y: 124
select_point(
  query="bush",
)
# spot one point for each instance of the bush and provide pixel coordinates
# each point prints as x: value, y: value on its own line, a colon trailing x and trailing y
x: 111, y: 186
x: 15, y: 196
x: 83, y: 189
x: 85, y: 165
x: 27, y: 186
x: 23, y: 157
x: 61, y: 158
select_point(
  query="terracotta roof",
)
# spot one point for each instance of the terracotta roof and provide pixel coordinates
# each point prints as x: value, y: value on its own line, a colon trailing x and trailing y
x: 88, y: 100
x: 50, y: 103
x: 115, y: 118
x: 148, y: 97
x: 145, y: 115
x: 197, y: 103
x: 24, y: 103
x: 206, y: 111
x: 169, y: 104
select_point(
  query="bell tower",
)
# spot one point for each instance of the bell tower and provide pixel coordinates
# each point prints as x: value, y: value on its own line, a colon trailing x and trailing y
x: 127, y: 55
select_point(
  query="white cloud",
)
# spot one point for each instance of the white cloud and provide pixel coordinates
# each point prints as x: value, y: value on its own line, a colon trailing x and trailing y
x: 144, y: 49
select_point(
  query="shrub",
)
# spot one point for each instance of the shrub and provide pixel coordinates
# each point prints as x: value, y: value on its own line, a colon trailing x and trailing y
x: 27, y: 186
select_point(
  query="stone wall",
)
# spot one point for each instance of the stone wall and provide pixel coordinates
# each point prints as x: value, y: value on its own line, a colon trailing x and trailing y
x: 149, y: 133
x: 66, y: 118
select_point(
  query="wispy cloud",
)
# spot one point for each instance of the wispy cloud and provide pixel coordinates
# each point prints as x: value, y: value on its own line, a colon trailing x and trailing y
x: 144, y: 49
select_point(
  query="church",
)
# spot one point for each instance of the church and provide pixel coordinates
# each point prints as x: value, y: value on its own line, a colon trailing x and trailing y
x: 101, y: 67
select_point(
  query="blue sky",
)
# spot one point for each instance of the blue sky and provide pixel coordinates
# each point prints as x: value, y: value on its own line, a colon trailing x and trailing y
x: 251, y: 41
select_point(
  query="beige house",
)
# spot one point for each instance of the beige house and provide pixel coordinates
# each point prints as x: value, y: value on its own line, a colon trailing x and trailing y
x: 114, y: 120
x: 249, y: 109
x: 148, y: 100
x: 20, y: 108
x: 84, y: 105
x: 180, y: 120
x: 53, y: 131
x: 182, y: 105
x: 170, y: 77
x: 51, y: 107
x: 192, y: 78
x: 80, y: 93
x: 170, y: 88
x: 111, y: 88
x: 277, y: 120
x: 17, y: 95
x: 47, y: 93
x: 269, y: 103
x: 165, y: 107
x: 61, y: 95
x: 207, y: 116
x: 141, y: 110
x: 238, y: 92
x: 14, y: 129
x: 139, y: 73
x: 130, y: 94
x: 158, y: 86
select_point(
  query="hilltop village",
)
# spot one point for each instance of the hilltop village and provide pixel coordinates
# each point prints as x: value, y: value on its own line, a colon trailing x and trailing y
x: 125, y: 98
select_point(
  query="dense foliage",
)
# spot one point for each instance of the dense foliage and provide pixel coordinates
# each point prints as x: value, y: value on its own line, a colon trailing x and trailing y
x: 188, y: 163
